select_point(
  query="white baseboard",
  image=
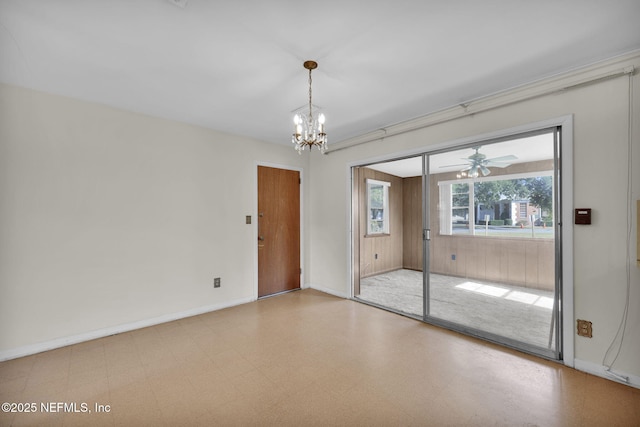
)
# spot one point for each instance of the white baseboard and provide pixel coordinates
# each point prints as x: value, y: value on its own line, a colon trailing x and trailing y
x: 105, y: 332
x: 328, y: 290
x: 600, y: 371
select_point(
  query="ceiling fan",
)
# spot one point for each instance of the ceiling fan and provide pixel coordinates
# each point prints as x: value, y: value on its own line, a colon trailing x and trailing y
x: 478, y: 163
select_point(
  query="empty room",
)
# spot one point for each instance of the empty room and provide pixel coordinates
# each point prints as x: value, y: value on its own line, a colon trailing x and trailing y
x: 298, y: 213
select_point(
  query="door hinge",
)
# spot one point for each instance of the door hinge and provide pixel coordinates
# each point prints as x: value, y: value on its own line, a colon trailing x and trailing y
x: 426, y: 234
x: 299, y: 180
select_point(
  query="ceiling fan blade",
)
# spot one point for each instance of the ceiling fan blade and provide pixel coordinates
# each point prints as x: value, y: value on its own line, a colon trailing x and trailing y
x: 450, y: 166
x: 502, y: 159
x: 497, y: 164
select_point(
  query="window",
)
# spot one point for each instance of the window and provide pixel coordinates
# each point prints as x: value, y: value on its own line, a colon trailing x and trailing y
x: 460, y: 206
x: 499, y: 206
x: 523, y: 210
x: 377, y: 207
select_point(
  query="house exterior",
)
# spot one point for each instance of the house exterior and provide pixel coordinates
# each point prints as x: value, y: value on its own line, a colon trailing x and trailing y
x: 514, y: 211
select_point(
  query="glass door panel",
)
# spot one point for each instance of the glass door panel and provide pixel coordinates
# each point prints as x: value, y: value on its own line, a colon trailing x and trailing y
x: 387, y: 212
x: 492, y: 248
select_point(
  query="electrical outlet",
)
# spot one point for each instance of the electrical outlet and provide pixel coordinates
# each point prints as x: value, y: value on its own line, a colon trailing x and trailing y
x: 585, y: 328
x: 216, y: 282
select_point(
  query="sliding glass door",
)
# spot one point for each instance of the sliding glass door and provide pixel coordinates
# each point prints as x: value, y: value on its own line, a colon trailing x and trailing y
x: 492, y: 266
x: 473, y: 236
x: 387, y: 206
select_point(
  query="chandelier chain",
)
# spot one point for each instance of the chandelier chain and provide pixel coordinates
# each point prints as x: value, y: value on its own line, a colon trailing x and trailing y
x: 310, y: 111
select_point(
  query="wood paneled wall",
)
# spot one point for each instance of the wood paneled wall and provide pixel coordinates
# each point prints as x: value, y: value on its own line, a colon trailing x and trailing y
x: 523, y: 262
x: 388, y: 248
x: 412, y: 214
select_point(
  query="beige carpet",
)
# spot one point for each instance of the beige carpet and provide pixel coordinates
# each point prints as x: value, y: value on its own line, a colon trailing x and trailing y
x: 514, y: 312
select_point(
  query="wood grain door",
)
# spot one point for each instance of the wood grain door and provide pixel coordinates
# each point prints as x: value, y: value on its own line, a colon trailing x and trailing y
x: 278, y: 230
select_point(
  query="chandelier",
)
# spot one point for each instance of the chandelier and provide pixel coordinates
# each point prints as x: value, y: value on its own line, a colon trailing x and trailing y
x: 309, y: 130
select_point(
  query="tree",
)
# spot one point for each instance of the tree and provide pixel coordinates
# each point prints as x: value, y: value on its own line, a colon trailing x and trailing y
x: 541, y: 192
x: 538, y: 190
x: 489, y: 193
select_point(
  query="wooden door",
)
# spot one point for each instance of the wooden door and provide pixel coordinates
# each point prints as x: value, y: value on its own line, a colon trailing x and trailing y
x: 278, y: 230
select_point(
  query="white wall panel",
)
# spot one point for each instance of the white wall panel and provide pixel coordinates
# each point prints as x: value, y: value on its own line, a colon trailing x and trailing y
x: 110, y: 218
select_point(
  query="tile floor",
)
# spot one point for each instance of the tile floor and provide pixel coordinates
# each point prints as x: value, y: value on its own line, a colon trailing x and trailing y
x: 306, y: 358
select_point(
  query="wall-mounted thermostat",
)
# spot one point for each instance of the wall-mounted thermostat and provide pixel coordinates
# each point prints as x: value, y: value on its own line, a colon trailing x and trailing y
x: 583, y: 216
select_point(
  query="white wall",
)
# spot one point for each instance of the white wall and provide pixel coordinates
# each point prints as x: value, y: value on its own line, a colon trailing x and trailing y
x: 600, y: 112
x: 111, y: 218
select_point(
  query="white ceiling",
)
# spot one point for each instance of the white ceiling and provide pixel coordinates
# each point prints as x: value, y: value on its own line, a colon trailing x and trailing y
x: 236, y: 65
x: 527, y: 149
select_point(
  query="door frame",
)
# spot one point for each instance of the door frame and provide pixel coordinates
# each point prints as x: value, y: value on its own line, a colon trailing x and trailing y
x: 566, y: 188
x: 254, y: 222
